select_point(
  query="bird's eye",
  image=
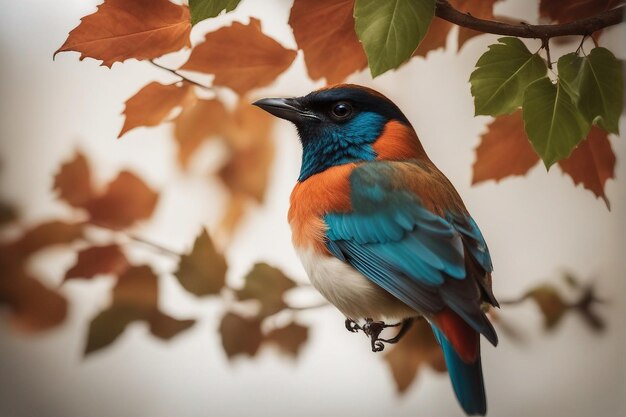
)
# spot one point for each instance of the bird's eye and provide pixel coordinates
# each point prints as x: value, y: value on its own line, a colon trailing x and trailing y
x: 342, y: 110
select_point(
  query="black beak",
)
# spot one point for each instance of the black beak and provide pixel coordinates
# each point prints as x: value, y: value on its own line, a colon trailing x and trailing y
x: 286, y: 108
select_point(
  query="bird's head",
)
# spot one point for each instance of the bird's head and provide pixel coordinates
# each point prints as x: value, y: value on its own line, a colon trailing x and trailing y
x: 346, y: 124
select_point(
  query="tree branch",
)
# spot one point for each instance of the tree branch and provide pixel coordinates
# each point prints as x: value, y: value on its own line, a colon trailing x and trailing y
x: 182, y: 77
x: 584, y: 27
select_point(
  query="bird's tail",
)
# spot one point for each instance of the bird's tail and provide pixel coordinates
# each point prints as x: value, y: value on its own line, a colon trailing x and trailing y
x: 466, y: 377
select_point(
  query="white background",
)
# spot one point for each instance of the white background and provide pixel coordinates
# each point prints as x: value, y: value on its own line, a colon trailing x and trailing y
x: 536, y: 226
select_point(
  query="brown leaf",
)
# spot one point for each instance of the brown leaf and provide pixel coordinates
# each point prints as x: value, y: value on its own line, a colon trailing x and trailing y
x: 550, y: 303
x: 127, y: 200
x: 203, y: 271
x: 267, y: 285
x: 482, y: 9
x: 290, y: 338
x: 563, y: 11
x: 504, y: 150
x: 154, y: 102
x: 109, y: 324
x: 252, y: 152
x: 41, y: 236
x: 166, y: 327
x: 196, y: 123
x: 73, y: 181
x: 98, y: 260
x: 240, y: 56
x: 435, y: 37
x: 8, y: 214
x: 240, y: 336
x: 33, y: 306
x: 233, y: 214
x: 418, y: 347
x: 592, y: 163
x: 324, y: 30
x: 124, y: 29
x: 137, y: 287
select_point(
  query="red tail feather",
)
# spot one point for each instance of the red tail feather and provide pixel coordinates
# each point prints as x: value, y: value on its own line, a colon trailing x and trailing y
x: 461, y: 336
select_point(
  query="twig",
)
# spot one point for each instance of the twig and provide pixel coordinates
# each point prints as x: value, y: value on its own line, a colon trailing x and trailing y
x: 311, y: 307
x: 153, y: 245
x: 182, y: 77
x: 583, y: 27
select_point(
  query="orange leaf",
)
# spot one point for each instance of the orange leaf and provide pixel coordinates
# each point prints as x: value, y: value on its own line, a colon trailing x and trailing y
x: 137, y: 287
x: 324, y: 30
x: 73, y: 182
x: 126, y: 200
x: 240, y: 56
x: 153, y: 103
x: 124, y: 29
x: 39, y: 237
x: 563, y: 11
x: 592, y: 163
x: 247, y: 171
x: 504, y: 150
x: 482, y: 9
x: 418, y: 347
x: 98, y: 260
x: 435, y: 37
x: 196, y: 123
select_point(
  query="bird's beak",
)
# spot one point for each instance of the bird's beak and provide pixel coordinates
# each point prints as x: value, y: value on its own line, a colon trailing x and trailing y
x: 286, y: 108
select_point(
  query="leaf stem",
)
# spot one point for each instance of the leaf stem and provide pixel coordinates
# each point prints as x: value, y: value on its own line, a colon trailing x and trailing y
x: 182, y: 77
x: 583, y: 27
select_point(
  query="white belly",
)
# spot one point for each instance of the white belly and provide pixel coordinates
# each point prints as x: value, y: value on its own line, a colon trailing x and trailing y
x: 352, y: 293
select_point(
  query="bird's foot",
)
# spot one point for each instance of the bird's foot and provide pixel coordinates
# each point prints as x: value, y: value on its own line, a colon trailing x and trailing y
x: 373, y: 329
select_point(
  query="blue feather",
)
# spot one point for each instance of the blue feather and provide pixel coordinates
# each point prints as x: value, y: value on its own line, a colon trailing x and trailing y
x: 467, y: 378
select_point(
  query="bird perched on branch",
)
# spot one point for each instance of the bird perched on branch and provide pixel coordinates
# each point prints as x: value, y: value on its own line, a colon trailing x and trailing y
x: 383, y: 234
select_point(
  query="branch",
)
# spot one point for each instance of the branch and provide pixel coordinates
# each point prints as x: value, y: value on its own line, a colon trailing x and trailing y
x: 583, y: 27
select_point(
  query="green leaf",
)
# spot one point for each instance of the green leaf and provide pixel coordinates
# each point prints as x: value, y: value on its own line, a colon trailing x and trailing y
x: 502, y: 75
x: 109, y: 324
x: 203, y: 271
x: 266, y: 284
x: 601, y: 89
x: 551, y: 120
x: 569, y: 67
x: 391, y: 30
x: 204, y: 9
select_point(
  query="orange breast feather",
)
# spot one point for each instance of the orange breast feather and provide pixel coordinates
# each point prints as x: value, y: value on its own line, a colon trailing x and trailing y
x: 328, y: 191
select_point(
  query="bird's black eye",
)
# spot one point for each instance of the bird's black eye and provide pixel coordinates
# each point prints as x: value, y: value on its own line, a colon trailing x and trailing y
x: 341, y: 110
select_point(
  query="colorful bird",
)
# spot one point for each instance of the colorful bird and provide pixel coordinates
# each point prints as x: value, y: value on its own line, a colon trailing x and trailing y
x: 383, y: 234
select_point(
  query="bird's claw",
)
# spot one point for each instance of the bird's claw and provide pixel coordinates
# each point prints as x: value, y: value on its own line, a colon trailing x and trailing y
x: 373, y: 329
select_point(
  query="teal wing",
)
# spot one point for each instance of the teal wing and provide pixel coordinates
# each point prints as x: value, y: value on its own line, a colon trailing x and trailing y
x: 412, y: 253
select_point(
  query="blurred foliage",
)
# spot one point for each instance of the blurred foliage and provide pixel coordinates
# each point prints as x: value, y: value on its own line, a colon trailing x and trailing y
x: 533, y: 119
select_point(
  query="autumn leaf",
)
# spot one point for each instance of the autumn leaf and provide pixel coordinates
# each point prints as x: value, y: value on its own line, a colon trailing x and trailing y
x: 504, y: 150
x: 135, y: 298
x: 482, y: 9
x: 124, y: 29
x: 435, y: 37
x: 240, y: 56
x: 166, y: 327
x: 324, y: 30
x: 550, y: 303
x: 240, y: 335
x: 98, y: 260
x: 126, y: 200
x: 203, y: 271
x: 73, y: 181
x: 289, y: 339
x: 154, y: 102
x: 32, y: 305
x: 564, y: 11
x: 417, y: 348
x: 252, y: 152
x: 592, y: 163
x: 267, y: 285
x: 40, y: 237
x: 8, y: 213
x: 206, y: 118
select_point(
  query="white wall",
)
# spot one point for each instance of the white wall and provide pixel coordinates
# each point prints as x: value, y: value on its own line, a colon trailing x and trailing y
x: 536, y: 227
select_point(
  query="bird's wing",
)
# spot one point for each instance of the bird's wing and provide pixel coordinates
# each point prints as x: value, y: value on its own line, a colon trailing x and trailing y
x: 414, y: 254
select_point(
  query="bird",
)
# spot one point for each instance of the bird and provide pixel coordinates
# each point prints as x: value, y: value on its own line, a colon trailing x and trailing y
x: 383, y: 234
